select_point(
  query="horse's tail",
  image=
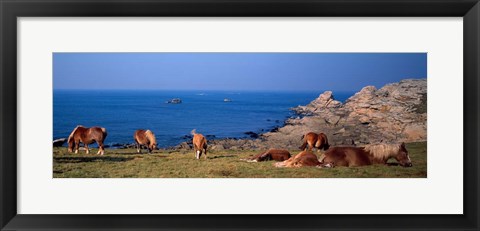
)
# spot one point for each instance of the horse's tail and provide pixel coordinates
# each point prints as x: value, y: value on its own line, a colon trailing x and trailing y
x: 326, y: 145
x: 205, y: 144
x: 193, y: 132
x: 104, y: 131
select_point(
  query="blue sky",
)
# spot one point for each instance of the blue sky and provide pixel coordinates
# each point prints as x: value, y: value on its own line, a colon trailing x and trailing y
x: 235, y: 71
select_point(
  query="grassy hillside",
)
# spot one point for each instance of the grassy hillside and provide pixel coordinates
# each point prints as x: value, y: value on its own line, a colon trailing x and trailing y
x: 121, y: 163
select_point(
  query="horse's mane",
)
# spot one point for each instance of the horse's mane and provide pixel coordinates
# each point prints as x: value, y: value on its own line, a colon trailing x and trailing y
x: 150, y: 136
x: 73, y: 132
x: 193, y: 132
x: 382, y: 151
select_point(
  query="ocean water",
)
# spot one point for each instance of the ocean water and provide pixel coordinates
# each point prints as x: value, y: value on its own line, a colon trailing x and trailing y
x: 122, y: 112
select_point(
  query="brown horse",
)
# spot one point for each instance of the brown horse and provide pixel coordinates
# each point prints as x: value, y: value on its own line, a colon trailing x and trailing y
x: 304, y: 158
x: 199, y: 144
x: 311, y: 139
x: 87, y: 136
x: 368, y: 155
x: 146, y: 138
x: 270, y: 154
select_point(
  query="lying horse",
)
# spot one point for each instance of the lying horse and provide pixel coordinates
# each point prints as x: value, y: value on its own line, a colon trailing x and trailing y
x: 304, y: 158
x: 199, y: 144
x: 311, y: 139
x: 87, y: 136
x: 146, y: 138
x: 271, y: 154
x: 368, y: 155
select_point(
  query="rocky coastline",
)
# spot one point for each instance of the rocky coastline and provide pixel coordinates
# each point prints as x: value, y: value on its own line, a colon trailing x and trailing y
x: 397, y: 112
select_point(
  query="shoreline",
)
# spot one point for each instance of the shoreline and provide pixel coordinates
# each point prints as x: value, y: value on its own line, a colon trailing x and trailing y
x: 186, y: 141
x: 394, y: 113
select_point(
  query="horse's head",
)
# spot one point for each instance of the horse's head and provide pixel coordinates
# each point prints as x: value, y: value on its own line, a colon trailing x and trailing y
x: 70, y: 144
x: 153, y: 146
x: 402, y: 156
x: 324, y: 141
x: 264, y: 157
x: 152, y: 140
x: 71, y: 139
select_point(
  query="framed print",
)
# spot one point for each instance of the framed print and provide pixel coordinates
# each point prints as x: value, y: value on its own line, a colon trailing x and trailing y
x: 239, y: 115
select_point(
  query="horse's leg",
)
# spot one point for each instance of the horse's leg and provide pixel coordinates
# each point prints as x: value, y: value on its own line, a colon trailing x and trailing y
x: 86, y: 148
x: 304, y: 145
x: 101, y: 149
x: 326, y: 162
x: 205, y: 153
x: 138, y: 147
x: 197, y: 152
x: 310, y: 146
x: 77, y: 146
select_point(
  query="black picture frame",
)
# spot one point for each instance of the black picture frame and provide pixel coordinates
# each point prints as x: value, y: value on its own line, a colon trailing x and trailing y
x: 10, y: 10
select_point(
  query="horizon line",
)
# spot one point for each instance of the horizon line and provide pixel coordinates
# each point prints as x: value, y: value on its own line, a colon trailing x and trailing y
x: 199, y: 90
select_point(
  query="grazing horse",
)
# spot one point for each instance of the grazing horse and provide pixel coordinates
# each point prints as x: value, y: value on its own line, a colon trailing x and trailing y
x: 311, y: 139
x: 199, y: 144
x: 87, y: 136
x: 304, y: 158
x: 271, y: 154
x: 368, y: 155
x: 146, y: 138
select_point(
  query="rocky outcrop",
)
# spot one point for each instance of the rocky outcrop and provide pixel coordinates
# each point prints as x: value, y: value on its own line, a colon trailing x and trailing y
x: 393, y: 113
x: 59, y: 142
x: 174, y: 101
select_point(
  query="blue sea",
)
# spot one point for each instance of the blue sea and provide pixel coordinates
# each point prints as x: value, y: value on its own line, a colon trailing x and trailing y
x: 122, y: 112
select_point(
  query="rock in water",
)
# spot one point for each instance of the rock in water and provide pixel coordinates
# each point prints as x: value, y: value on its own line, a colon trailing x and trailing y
x: 251, y: 134
x: 59, y: 142
x: 175, y: 101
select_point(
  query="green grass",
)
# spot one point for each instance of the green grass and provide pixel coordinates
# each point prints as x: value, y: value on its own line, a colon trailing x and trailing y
x: 127, y: 163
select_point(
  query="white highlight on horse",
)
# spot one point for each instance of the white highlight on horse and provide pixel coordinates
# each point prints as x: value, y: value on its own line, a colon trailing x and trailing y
x: 198, y: 154
x: 329, y: 165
